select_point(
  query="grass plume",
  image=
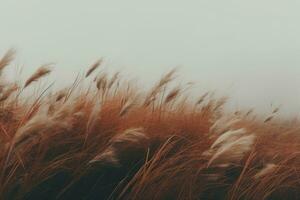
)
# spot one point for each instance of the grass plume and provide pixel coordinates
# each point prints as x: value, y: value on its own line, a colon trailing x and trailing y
x: 93, y: 68
x: 41, y: 72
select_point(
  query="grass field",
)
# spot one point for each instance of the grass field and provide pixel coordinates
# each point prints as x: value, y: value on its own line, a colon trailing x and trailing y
x: 104, y: 138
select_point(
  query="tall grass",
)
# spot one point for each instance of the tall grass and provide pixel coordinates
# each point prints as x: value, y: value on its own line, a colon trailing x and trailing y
x: 110, y: 140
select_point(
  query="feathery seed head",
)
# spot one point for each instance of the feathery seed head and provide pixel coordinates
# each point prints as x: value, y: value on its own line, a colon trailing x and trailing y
x: 93, y: 67
x: 41, y: 72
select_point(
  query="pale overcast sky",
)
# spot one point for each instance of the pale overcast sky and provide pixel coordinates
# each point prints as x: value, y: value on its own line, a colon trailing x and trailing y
x: 249, y: 50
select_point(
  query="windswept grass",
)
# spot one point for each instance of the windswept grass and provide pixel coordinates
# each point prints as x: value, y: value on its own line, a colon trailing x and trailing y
x: 102, y: 138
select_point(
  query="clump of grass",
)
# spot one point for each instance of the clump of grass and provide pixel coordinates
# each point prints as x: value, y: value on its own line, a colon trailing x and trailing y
x: 109, y: 140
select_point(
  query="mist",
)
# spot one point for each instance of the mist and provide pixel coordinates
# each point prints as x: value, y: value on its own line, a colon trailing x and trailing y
x: 248, y: 51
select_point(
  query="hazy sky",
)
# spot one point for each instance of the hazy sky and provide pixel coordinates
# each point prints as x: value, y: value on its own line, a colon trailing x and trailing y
x: 249, y: 50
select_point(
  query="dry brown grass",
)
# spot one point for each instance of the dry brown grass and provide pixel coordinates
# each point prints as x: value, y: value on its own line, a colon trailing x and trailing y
x: 111, y: 141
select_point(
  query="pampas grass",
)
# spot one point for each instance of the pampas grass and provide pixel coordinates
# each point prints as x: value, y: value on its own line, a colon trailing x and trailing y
x: 93, y: 67
x: 268, y: 169
x: 6, y: 59
x: 268, y: 119
x: 106, y: 139
x: 126, y: 141
x: 173, y: 94
x: 228, y: 137
x: 167, y: 78
x: 41, y: 72
x: 232, y: 152
x: 8, y: 92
